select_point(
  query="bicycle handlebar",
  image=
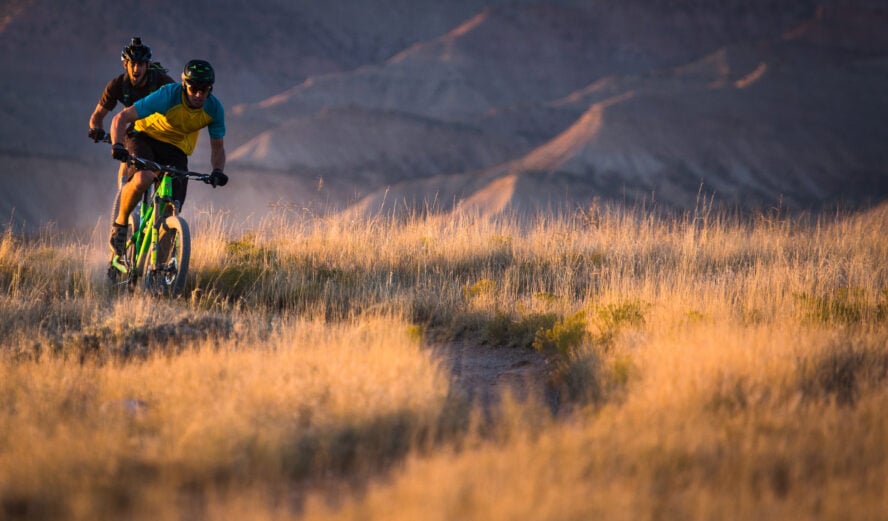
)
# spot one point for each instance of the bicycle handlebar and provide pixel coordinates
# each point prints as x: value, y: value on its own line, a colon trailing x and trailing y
x: 147, y: 164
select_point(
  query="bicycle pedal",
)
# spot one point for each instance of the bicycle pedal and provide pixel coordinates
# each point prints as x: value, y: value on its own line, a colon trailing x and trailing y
x: 120, y: 264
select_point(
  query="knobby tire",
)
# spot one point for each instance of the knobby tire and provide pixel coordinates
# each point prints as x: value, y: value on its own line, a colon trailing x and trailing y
x: 173, y: 255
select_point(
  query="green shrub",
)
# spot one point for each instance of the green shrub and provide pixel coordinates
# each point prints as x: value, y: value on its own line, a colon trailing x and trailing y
x: 231, y: 281
x: 845, y: 306
x: 505, y: 331
x: 245, y: 250
x: 612, y: 318
x: 479, y: 288
x: 579, y: 379
x: 564, y: 337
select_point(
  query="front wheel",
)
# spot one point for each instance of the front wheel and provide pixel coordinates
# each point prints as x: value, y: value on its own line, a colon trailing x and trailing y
x: 167, y: 276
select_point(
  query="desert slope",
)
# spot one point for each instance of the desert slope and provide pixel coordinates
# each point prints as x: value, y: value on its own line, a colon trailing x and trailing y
x: 792, y: 121
x: 757, y: 101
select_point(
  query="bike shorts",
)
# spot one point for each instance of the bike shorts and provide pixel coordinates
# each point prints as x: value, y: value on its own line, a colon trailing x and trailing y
x: 146, y: 147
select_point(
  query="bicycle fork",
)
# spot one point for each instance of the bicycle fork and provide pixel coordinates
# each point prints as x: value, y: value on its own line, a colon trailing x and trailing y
x: 163, y: 208
x: 139, y: 238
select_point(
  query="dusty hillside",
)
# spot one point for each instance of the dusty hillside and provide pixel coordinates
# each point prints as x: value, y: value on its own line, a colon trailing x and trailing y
x: 328, y: 104
x: 57, y: 57
x: 339, y: 139
x: 792, y: 120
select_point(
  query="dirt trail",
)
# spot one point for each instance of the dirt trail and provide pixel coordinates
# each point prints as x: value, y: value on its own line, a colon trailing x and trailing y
x: 483, y: 373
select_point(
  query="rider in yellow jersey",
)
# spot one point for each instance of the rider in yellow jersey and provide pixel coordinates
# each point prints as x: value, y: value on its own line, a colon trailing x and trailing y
x: 166, y: 126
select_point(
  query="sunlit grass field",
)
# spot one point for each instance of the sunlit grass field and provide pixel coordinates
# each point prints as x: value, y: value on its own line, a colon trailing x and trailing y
x: 701, y: 366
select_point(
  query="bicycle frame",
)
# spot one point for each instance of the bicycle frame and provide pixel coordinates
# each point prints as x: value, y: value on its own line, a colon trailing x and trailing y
x: 158, y: 214
x: 145, y: 236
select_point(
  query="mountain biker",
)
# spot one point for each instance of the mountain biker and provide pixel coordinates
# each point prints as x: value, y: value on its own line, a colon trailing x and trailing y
x: 166, y: 124
x: 139, y: 79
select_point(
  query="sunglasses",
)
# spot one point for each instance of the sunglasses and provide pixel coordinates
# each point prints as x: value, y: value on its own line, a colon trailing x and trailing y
x: 193, y: 89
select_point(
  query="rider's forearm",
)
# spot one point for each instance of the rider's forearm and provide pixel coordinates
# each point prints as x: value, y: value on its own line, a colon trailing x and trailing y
x: 217, y: 154
x: 117, y: 129
x: 120, y: 123
x: 96, y: 120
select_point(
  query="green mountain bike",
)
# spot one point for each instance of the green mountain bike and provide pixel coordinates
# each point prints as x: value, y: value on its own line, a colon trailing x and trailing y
x: 159, y: 246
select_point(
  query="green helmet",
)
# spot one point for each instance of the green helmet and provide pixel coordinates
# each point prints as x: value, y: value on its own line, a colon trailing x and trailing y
x: 136, y: 51
x: 198, y: 73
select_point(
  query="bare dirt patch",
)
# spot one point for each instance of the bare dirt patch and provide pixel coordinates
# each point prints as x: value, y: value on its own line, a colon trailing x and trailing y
x: 484, y: 373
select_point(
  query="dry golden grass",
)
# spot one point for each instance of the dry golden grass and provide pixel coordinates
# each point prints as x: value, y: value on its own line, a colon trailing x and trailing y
x: 309, y: 401
x: 702, y: 367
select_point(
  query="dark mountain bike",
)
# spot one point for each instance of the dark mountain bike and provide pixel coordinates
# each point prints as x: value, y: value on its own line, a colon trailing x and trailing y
x: 159, y: 245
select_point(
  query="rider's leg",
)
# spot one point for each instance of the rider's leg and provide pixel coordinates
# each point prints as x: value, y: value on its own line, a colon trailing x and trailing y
x: 180, y: 189
x: 122, y: 176
x: 128, y: 198
x: 130, y: 194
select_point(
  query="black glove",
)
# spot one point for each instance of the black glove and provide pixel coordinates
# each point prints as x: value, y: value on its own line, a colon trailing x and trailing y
x: 97, y: 134
x: 217, y: 178
x: 118, y: 152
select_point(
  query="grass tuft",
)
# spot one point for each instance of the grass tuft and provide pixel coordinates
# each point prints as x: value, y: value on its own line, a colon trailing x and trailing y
x: 844, y: 370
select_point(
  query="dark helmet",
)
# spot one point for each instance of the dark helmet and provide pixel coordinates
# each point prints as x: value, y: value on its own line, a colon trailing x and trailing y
x: 198, y: 73
x: 136, y: 51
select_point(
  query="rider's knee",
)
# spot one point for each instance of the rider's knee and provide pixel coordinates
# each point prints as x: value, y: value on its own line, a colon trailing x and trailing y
x: 143, y: 179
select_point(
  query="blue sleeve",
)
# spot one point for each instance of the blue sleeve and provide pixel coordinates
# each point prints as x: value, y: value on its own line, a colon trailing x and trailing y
x: 158, y: 101
x: 217, y: 112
